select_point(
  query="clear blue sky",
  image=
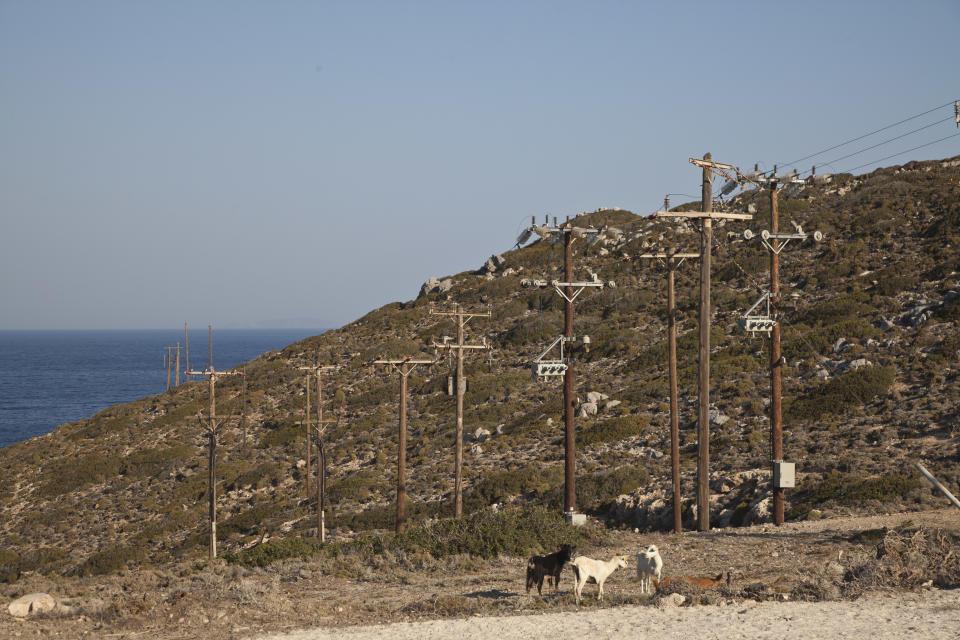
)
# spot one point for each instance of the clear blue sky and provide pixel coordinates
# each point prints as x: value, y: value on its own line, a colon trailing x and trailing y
x: 248, y: 163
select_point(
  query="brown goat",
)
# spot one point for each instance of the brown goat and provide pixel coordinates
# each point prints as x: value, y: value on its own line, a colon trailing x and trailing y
x: 703, y: 582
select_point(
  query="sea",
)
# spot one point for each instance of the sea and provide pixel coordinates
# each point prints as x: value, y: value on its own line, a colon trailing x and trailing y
x: 48, y: 378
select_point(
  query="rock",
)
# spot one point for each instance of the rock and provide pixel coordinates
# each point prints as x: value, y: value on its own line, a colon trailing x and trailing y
x: 507, y: 272
x: 655, y: 454
x: 587, y: 409
x: 860, y: 362
x: 480, y: 434
x: 435, y: 286
x: 885, y: 323
x: 840, y: 346
x: 31, y: 604
x: 672, y: 600
x: 611, y: 404
x: 759, y: 512
x: 301, y: 463
x: 718, y: 418
x: 492, y: 264
x: 476, y: 449
x: 595, y: 397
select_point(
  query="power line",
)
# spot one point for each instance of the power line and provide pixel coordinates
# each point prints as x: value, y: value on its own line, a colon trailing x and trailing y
x: 880, y: 144
x: 900, y: 153
x: 866, y: 135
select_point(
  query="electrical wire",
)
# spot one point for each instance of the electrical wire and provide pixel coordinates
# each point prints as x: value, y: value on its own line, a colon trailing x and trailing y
x: 900, y: 153
x: 880, y: 144
x: 866, y: 135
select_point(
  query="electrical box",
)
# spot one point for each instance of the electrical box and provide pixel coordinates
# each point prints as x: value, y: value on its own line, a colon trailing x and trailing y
x: 756, y: 324
x: 784, y: 475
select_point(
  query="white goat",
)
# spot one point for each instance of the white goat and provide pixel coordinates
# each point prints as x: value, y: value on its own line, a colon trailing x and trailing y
x: 649, y: 565
x: 585, y: 569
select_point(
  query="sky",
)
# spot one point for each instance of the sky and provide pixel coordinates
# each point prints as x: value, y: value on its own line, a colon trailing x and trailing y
x: 291, y: 163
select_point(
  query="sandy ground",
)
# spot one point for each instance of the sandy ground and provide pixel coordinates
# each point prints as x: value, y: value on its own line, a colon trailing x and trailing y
x: 929, y: 615
x: 465, y: 597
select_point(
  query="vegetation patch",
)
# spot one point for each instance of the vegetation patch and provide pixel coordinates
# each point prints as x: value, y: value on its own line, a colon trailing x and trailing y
x: 840, y: 394
x: 848, y: 489
x: 614, y: 429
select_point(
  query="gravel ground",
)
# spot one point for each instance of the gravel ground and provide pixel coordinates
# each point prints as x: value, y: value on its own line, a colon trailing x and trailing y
x: 930, y: 615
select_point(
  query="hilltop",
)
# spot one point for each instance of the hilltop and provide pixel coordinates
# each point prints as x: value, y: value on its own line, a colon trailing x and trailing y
x: 870, y: 336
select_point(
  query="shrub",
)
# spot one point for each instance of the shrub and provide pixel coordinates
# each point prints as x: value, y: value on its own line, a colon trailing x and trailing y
x: 614, y: 429
x: 597, y: 491
x: 151, y: 461
x: 110, y: 560
x: 840, y: 394
x: 848, y: 489
x: 74, y: 472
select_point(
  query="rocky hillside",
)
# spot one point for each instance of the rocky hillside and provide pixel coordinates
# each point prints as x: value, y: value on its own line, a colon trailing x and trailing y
x: 870, y: 335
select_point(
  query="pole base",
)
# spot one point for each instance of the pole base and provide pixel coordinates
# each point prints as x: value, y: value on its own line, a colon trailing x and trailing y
x: 576, y: 519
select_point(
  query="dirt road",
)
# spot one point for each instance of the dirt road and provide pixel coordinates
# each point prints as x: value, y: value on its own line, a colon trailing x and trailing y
x: 929, y: 615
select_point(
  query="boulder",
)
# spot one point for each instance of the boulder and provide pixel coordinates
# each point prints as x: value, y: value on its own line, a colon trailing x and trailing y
x: 587, y: 409
x: 595, y: 397
x: 433, y: 285
x: 31, y: 604
x: 611, y: 404
x: 481, y: 434
x: 718, y: 418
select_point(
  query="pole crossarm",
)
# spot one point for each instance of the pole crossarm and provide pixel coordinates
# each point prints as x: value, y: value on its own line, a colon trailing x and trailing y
x: 401, y: 367
x: 560, y: 286
x: 710, y: 215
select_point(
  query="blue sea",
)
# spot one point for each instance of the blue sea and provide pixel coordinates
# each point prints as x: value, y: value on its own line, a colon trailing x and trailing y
x: 48, y: 378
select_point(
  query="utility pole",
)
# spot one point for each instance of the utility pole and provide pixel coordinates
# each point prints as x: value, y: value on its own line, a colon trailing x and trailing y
x: 404, y: 368
x: 671, y: 261
x: 566, y: 233
x: 462, y: 318
x: 186, y: 345
x: 707, y: 216
x: 168, y: 359
x: 782, y: 473
x: 321, y: 456
x: 212, y: 429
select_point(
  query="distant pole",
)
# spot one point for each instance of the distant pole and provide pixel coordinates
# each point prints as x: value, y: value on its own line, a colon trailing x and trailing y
x: 321, y: 459
x: 178, y: 364
x: 569, y: 385
x: 307, y: 431
x: 186, y: 339
x: 169, y: 361
x: 210, y: 338
x: 212, y: 466
x: 462, y: 318
x: 672, y: 261
x: 674, y: 397
x: 776, y: 390
x: 703, y: 422
x: 404, y: 368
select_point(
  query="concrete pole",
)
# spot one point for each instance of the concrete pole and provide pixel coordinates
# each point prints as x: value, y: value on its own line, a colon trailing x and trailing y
x: 703, y: 422
x: 569, y: 386
x: 776, y: 397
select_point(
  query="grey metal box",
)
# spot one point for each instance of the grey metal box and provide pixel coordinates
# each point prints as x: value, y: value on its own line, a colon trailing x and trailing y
x: 784, y: 475
x: 576, y: 519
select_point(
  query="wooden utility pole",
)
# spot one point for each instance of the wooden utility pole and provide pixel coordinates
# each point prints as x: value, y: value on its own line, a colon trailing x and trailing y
x: 321, y: 455
x: 169, y: 360
x: 771, y: 240
x: 212, y: 428
x: 671, y: 261
x: 186, y: 347
x: 707, y: 216
x: 462, y: 318
x: 567, y: 232
x: 404, y: 368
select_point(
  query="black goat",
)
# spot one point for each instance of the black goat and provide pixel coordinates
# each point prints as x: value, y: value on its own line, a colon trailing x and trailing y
x: 539, y: 567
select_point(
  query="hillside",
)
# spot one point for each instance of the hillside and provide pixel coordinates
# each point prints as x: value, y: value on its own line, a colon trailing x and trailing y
x: 870, y: 336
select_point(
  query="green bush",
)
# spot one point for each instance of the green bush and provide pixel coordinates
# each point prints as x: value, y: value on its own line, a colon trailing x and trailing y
x: 150, y: 462
x: 595, y: 492
x: 484, y: 534
x: 110, y: 560
x: 74, y: 472
x: 614, y: 429
x: 851, y: 490
x: 820, y: 341
x: 853, y: 388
